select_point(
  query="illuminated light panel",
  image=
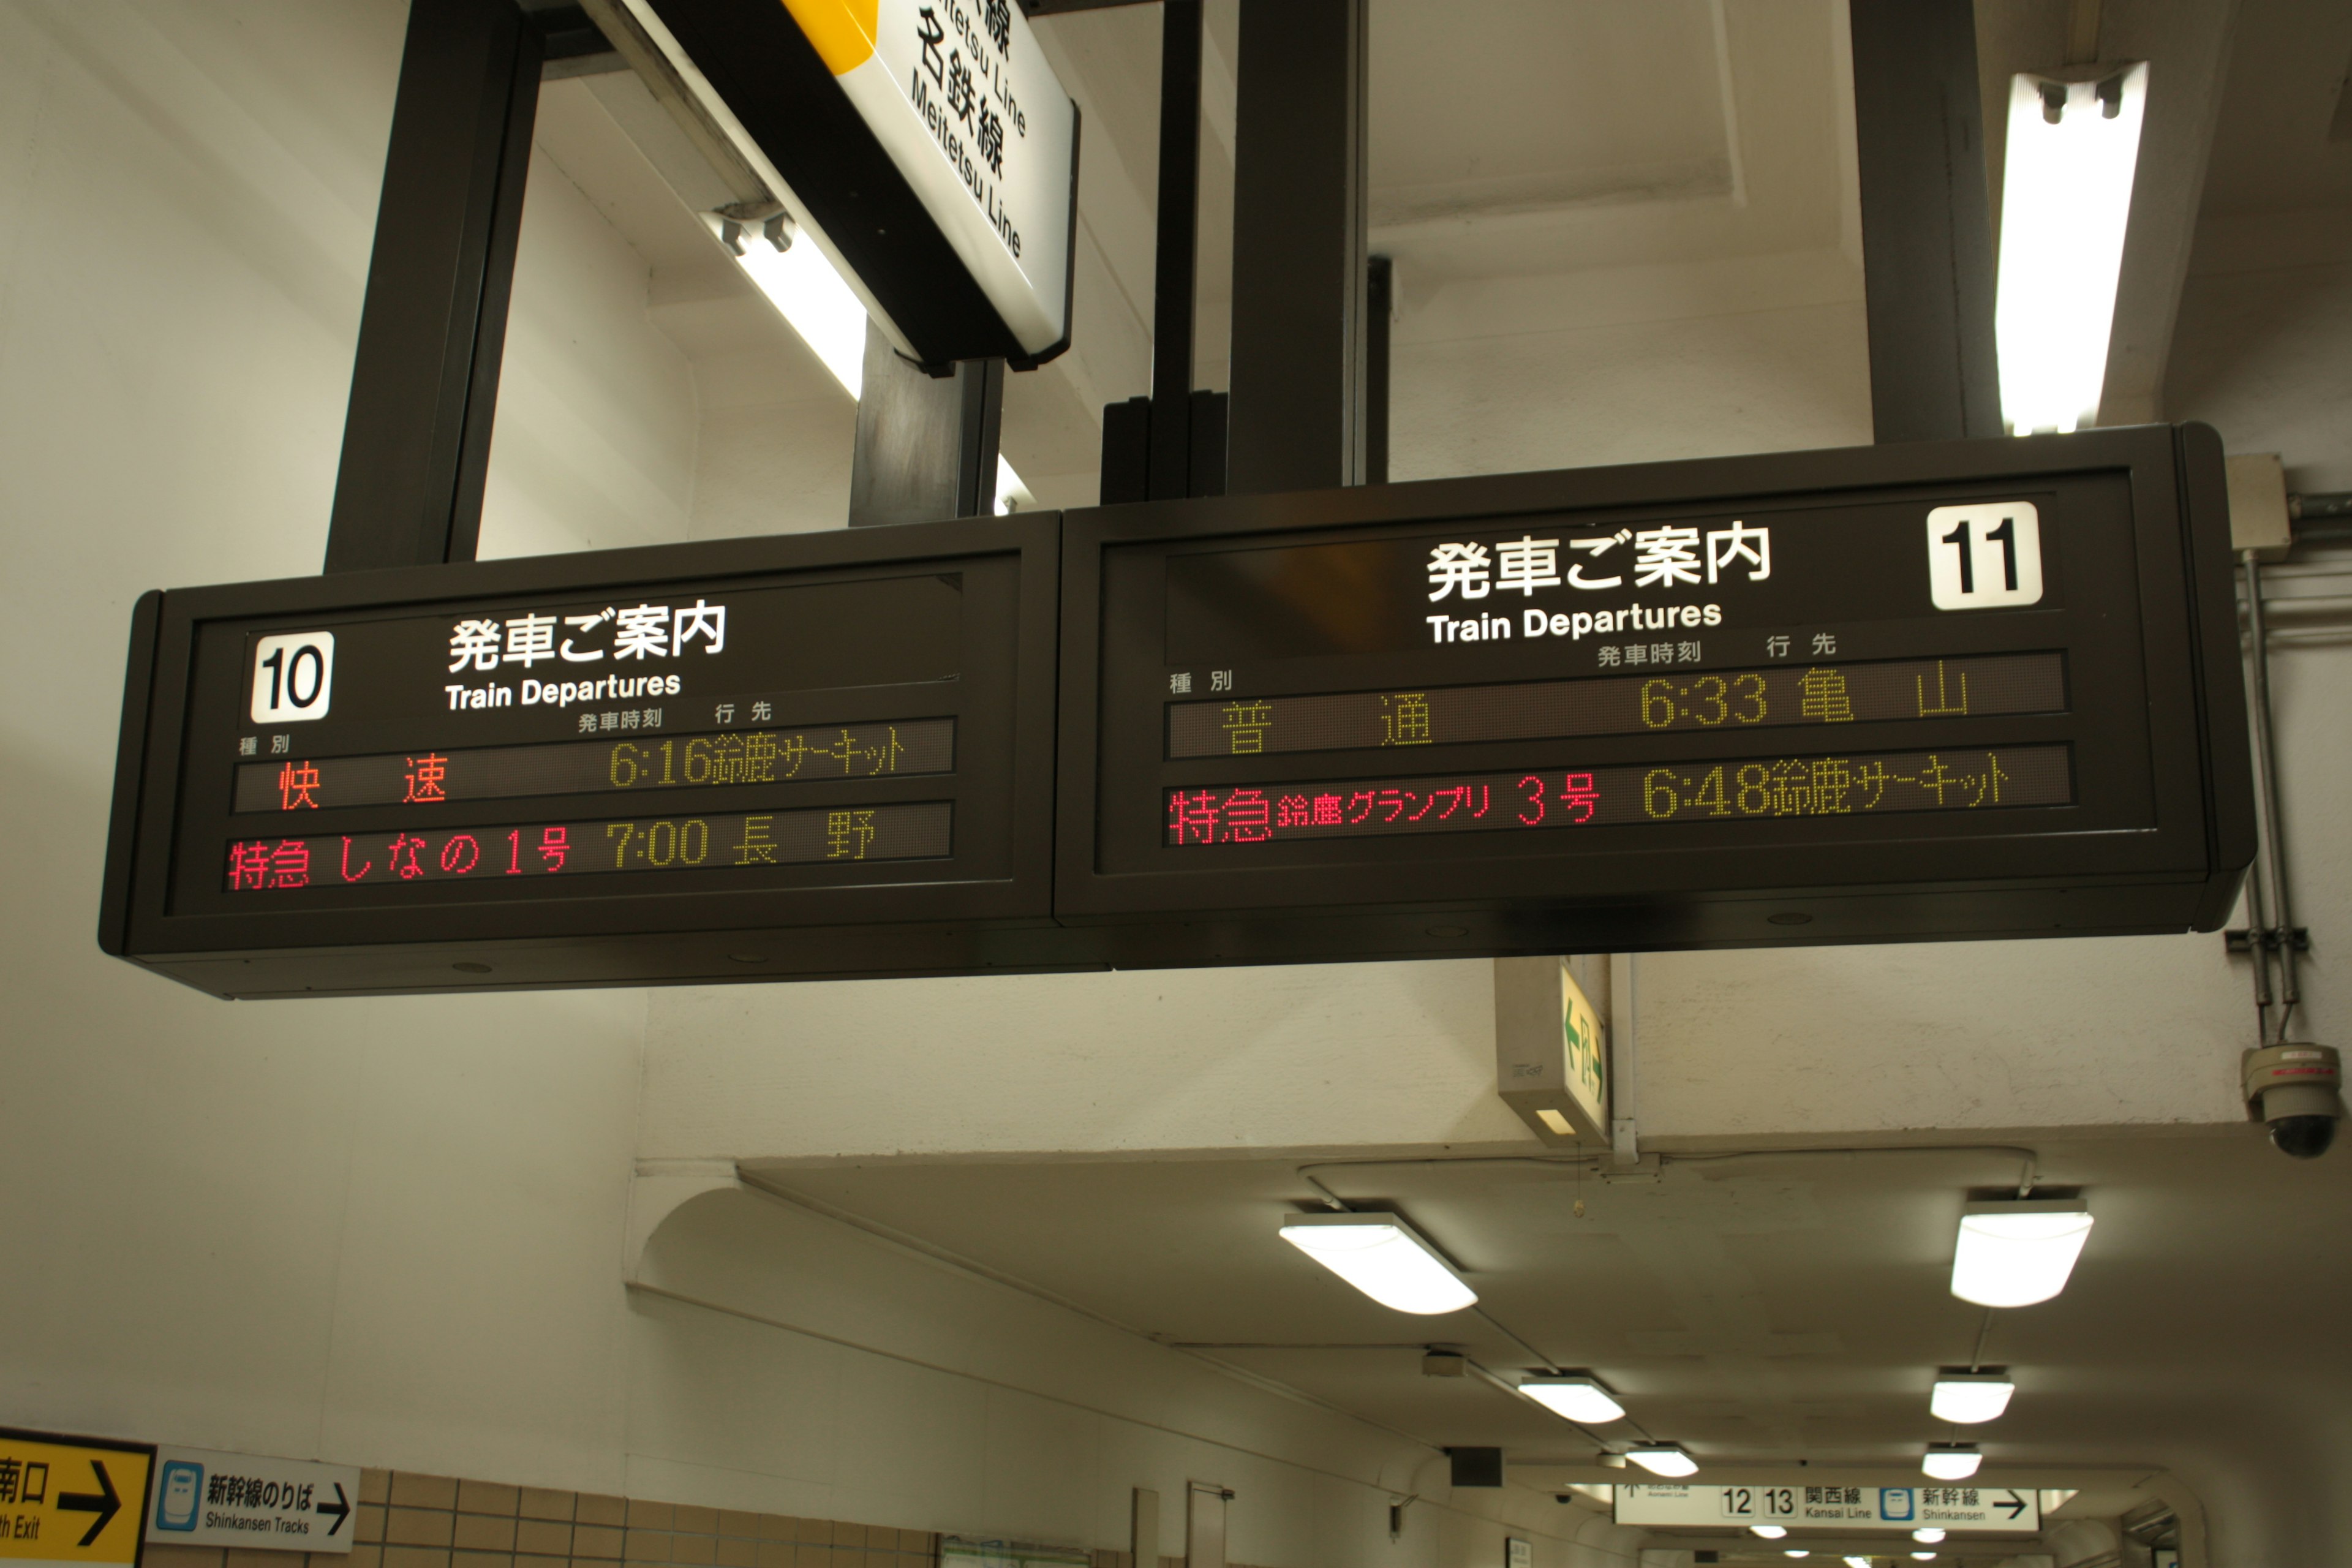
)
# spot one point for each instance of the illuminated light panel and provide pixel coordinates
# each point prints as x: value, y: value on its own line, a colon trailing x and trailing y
x: 1384, y: 1258
x: 2065, y: 201
x: 1952, y: 1462
x: 1575, y: 1398
x: 1968, y: 1399
x: 807, y: 292
x: 1769, y: 1532
x: 1857, y: 1562
x: 1929, y: 1535
x: 1923, y: 1557
x: 2016, y: 1254
x: 810, y: 295
x: 1666, y: 1459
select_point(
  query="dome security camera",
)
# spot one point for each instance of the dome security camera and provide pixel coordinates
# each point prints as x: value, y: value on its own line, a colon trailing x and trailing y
x: 2294, y: 1088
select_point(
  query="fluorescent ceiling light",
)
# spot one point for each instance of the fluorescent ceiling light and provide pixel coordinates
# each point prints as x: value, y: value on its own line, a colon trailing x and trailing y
x: 803, y: 286
x: 810, y: 295
x: 1576, y: 1398
x: 1769, y: 1532
x: 1796, y: 1552
x: 1381, y: 1256
x: 2015, y: 1254
x: 1951, y: 1461
x: 1966, y: 1398
x: 1664, y: 1459
x: 1923, y: 1557
x: 2066, y: 199
x: 1857, y: 1562
x: 1012, y: 495
x: 1929, y: 1535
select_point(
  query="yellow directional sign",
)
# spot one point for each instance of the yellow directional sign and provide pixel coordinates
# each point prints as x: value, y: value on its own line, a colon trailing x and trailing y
x: 71, y: 1500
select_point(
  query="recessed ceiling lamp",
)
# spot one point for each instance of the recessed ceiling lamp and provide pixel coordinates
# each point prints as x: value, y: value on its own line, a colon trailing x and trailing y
x: 1967, y: 1398
x: 1796, y: 1552
x: 1769, y: 1532
x: 1381, y: 1256
x: 1584, y: 1399
x: 2013, y: 1253
x: 1857, y: 1562
x: 1664, y: 1459
x: 1929, y: 1535
x: 1951, y: 1461
x: 1923, y: 1557
x: 2065, y: 200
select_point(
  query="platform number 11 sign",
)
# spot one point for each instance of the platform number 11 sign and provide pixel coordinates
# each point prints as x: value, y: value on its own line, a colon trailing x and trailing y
x: 1984, y: 556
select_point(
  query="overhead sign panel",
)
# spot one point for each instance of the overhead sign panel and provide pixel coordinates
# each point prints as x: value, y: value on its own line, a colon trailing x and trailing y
x: 1811, y: 697
x: 926, y: 144
x: 71, y: 1501
x: 720, y: 761
x: 1813, y: 1505
x: 205, y: 1497
x: 1900, y: 693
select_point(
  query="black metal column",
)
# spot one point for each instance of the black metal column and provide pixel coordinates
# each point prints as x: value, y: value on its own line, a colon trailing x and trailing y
x: 1927, y: 231
x: 424, y: 381
x: 1298, y: 351
x: 1174, y: 274
x: 927, y: 446
x: 1380, y: 305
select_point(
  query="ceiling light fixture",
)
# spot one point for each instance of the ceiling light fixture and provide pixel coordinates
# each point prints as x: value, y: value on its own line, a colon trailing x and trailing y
x: 1796, y: 1552
x: 1584, y: 1399
x: 2065, y: 201
x: 1929, y: 1535
x: 1951, y: 1461
x: 1664, y: 1459
x: 2015, y: 1252
x: 1857, y: 1562
x: 1923, y: 1557
x: 1381, y: 1256
x: 1967, y: 1399
x: 1769, y: 1532
x: 830, y: 318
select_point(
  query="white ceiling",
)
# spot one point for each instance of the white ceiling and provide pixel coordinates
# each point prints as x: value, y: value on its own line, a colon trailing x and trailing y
x: 1762, y: 1310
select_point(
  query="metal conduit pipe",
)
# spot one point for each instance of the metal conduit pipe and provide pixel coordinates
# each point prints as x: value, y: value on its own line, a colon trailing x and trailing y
x: 2271, y: 931
x: 2321, y: 517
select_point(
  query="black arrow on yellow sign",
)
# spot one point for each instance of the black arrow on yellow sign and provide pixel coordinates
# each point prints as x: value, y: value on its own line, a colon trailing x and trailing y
x: 103, y: 1503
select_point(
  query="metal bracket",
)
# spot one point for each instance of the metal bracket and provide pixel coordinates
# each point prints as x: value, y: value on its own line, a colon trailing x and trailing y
x: 2243, y: 941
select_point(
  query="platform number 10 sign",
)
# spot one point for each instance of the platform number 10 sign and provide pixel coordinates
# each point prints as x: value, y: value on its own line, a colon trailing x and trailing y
x: 1984, y: 556
x: 293, y: 676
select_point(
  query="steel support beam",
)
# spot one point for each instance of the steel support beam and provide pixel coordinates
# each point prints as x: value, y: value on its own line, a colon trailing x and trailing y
x: 927, y: 445
x: 1926, y: 233
x: 1299, y: 417
x: 425, y: 380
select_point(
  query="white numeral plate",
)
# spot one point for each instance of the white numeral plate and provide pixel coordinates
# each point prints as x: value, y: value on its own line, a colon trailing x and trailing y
x: 1985, y: 556
x: 293, y: 677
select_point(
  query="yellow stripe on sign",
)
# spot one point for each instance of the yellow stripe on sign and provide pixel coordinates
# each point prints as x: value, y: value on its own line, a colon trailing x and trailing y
x: 842, y: 30
x: 76, y: 1504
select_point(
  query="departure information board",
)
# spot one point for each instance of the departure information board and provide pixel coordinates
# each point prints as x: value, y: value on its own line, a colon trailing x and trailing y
x: 698, y: 761
x: 1893, y: 693
x: 1970, y: 689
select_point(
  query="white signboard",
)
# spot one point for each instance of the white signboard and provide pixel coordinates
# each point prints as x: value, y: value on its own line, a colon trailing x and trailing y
x: 1818, y: 1505
x: 207, y: 1499
x: 962, y: 98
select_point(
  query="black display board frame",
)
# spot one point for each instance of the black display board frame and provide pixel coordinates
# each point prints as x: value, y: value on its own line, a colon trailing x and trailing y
x: 1674, y: 886
x: 907, y: 917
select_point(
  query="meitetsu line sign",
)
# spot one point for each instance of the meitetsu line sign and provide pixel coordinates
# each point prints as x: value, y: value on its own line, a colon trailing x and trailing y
x: 1815, y: 1505
x: 926, y: 144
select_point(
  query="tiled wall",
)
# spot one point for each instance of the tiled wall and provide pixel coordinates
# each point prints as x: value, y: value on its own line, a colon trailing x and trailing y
x: 406, y: 1520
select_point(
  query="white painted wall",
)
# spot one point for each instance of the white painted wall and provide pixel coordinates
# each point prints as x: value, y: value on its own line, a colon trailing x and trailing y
x: 383, y: 1232
x: 392, y: 1232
